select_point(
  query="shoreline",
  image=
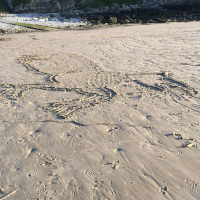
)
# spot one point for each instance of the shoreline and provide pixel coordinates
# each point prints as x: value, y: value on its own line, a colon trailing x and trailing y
x: 88, y: 20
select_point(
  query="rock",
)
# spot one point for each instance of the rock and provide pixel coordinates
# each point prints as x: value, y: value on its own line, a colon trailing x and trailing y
x: 2, y: 31
x: 114, y: 8
x: 126, y: 8
x: 103, y: 9
x: 41, y: 20
x: 123, y: 19
x: 96, y: 19
x: 65, y: 20
x: 94, y: 10
x: 68, y: 16
x: 134, y: 7
x: 112, y: 20
x: 26, y: 8
x: 9, y: 4
x: 32, y: 7
x: 184, y: 5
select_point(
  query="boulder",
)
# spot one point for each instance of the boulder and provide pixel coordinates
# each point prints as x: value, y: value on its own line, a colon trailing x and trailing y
x: 112, y: 20
x: 123, y: 19
x: 96, y: 19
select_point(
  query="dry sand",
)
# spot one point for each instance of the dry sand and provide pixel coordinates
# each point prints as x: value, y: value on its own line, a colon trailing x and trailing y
x: 110, y: 113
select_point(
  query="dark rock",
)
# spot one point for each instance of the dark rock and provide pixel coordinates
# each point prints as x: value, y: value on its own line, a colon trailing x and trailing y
x: 68, y: 16
x: 187, y: 5
x: 114, y: 8
x: 96, y: 19
x: 125, y: 19
x: 104, y: 9
x: 145, y: 16
x: 2, y: 31
x: 112, y: 20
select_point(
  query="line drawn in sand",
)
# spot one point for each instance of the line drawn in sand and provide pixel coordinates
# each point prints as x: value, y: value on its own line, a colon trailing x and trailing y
x: 179, y: 91
x: 8, y: 191
x: 87, y: 79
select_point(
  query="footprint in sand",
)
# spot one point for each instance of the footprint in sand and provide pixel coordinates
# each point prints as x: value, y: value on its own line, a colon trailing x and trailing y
x: 90, y: 173
x: 187, y: 141
x: 113, y: 165
x: 103, y: 190
x: 193, y: 185
x: 164, y: 190
x: 41, y: 189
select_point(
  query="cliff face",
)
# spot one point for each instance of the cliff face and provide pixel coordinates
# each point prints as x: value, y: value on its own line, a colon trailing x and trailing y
x: 192, y: 5
x: 41, y: 6
x: 65, y: 5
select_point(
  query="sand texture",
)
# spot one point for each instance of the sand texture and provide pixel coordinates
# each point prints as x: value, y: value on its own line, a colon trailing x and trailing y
x: 110, y: 113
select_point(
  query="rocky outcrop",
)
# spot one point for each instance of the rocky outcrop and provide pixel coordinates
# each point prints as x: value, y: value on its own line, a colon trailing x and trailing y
x: 66, y: 5
x: 45, y: 6
x: 184, y: 5
x: 9, y: 4
x: 144, y: 16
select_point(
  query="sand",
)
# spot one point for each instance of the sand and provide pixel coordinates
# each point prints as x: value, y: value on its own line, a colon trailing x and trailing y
x: 109, y: 113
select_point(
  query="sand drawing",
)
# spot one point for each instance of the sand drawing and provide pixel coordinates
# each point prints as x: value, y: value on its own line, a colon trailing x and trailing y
x: 84, y: 77
x: 8, y: 191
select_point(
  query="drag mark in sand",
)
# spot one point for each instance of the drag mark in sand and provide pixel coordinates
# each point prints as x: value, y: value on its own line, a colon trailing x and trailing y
x: 75, y: 73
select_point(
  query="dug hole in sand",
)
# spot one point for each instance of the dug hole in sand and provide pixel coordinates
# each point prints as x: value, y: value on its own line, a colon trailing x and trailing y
x: 110, y: 113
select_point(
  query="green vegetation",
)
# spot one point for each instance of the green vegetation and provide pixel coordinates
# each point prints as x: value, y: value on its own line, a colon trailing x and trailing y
x: 102, y: 3
x: 34, y: 26
x: 2, y: 5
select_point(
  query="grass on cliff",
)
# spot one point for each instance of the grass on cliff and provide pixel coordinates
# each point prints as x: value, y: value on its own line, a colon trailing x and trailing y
x: 103, y: 3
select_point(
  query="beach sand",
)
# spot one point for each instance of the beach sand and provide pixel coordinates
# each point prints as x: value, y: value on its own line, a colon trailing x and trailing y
x: 108, y: 113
